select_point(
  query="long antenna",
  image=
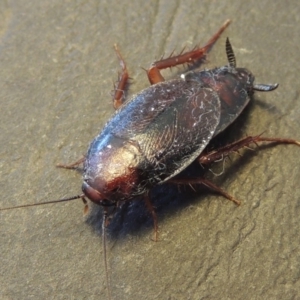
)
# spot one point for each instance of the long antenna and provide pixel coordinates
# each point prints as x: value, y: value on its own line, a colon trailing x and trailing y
x: 47, y: 202
x: 108, y: 287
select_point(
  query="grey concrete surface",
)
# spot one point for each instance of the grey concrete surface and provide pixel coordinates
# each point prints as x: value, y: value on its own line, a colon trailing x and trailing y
x: 57, y: 66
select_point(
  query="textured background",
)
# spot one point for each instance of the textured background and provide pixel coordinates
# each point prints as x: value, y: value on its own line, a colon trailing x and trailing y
x: 57, y: 68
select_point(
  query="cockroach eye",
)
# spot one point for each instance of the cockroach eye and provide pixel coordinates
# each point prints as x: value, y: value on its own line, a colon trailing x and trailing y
x: 91, y: 193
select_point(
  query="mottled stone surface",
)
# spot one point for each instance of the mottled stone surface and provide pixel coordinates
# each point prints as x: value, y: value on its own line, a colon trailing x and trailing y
x: 57, y: 66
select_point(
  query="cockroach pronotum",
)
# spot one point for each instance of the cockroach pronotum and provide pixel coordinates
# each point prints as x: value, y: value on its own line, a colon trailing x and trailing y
x: 163, y: 129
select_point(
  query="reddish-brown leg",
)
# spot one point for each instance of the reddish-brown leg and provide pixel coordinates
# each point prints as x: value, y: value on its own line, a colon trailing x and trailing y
x: 119, y: 88
x: 197, y: 53
x: 215, y: 155
x: 117, y: 101
x: 153, y: 213
x: 207, y: 183
x: 73, y: 165
x: 210, y: 157
x: 86, y: 207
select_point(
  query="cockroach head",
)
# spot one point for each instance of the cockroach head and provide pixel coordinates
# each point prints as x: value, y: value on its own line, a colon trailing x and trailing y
x: 95, y: 195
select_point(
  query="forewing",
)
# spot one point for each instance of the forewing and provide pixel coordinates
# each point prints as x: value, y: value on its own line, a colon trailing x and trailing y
x: 181, y: 132
x: 170, y: 122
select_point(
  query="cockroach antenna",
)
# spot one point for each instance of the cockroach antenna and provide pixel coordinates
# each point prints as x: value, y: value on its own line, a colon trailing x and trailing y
x: 104, y: 224
x: 49, y: 202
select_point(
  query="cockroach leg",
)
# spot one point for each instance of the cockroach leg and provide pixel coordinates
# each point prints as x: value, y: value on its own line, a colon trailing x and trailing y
x: 73, y: 165
x: 220, y: 153
x: 207, y: 183
x: 86, y: 207
x: 154, y: 216
x: 119, y: 89
x: 197, y: 53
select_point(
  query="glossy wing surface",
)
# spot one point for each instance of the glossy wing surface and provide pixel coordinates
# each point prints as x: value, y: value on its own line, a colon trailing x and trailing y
x: 171, y: 123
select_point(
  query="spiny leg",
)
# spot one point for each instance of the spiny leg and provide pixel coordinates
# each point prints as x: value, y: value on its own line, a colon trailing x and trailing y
x: 153, y: 72
x: 207, y: 183
x: 119, y: 88
x: 220, y: 153
x: 215, y: 155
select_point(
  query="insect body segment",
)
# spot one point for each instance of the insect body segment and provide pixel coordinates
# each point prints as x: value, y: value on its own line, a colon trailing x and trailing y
x: 197, y: 53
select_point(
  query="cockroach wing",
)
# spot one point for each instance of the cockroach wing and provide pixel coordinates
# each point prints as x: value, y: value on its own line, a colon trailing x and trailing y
x: 170, y: 123
x: 181, y: 132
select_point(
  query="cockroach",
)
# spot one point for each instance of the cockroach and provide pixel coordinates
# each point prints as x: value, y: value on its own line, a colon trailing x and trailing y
x: 163, y: 129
